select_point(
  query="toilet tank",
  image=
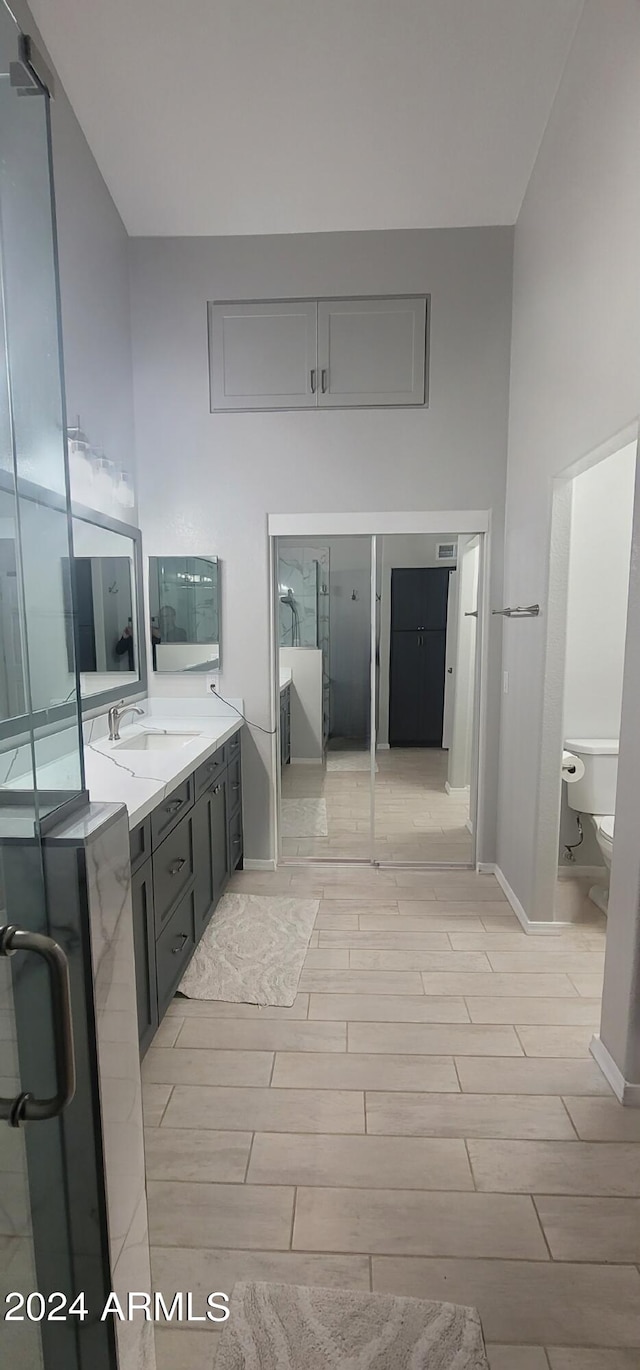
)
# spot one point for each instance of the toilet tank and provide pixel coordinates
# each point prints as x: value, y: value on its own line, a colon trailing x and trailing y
x: 596, y: 791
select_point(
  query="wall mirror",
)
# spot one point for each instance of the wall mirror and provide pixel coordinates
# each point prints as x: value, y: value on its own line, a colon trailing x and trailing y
x: 110, y: 648
x: 184, y: 598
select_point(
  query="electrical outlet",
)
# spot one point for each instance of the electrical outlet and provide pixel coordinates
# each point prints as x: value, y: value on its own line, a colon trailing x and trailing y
x: 212, y: 683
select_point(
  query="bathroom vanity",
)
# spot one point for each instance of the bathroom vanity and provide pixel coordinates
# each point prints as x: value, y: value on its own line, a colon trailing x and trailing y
x: 182, y: 783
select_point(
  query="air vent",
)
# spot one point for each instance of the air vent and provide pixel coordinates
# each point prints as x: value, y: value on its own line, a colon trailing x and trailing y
x: 446, y: 551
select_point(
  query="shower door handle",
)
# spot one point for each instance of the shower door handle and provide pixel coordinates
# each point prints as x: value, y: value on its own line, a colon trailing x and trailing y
x: 24, y: 1108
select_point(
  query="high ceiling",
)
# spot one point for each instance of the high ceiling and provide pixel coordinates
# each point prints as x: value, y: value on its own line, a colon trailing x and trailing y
x: 291, y: 116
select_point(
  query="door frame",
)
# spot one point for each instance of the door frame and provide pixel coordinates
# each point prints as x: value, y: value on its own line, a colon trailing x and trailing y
x: 373, y: 525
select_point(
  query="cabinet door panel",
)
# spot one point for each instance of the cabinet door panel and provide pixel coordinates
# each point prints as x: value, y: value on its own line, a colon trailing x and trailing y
x: 144, y: 946
x: 219, y: 842
x: 372, y: 352
x: 262, y: 355
x: 203, y: 862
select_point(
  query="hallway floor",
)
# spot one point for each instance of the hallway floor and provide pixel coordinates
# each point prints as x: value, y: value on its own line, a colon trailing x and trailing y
x: 416, y: 820
x: 426, y: 1119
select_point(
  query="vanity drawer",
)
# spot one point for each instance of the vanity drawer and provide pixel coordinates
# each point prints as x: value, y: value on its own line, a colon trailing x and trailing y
x: 173, y: 950
x: 173, y: 869
x: 140, y: 844
x: 235, y: 840
x: 171, y: 810
x: 234, y: 784
x: 208, y: 773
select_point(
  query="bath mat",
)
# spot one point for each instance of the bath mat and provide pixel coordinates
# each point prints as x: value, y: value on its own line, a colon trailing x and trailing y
x: 252, y: 951
x: 293, y: 1327
x: 304, y: 818
x: 349, y: 761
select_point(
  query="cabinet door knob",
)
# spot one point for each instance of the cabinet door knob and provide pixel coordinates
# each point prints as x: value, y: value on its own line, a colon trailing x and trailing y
x: 217, y: 789
x: 177, y: 866
x: 236, y: 785
x: 174, y: 806
x: 184, y: 937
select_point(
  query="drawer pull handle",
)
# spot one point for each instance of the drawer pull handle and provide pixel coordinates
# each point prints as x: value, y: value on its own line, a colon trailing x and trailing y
x: 213, y: 765
x: 174, y: 806
x: 177, y: 866
x: 184, y: 937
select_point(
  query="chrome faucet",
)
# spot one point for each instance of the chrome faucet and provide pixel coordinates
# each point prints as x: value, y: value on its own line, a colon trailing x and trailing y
x: 116, y: 712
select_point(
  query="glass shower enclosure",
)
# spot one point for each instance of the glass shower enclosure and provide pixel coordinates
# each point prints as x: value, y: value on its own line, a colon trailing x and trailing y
x: 48, y: 1202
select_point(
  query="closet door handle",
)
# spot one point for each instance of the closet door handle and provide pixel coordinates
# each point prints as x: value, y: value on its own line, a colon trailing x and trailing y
x: 324, y: 379
x: 313, y: 380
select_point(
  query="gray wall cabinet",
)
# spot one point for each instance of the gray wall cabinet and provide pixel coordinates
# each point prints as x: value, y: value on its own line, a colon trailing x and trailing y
x: 263, y: 356
x: 318, y: 354
x: 181, y: 858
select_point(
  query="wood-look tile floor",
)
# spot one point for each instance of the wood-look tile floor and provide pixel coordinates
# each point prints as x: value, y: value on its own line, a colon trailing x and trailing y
x: 415, y: 818
x: 426, y: 1119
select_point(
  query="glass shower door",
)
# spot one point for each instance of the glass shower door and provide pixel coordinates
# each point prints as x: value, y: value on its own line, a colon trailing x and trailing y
x: 48, y: 1212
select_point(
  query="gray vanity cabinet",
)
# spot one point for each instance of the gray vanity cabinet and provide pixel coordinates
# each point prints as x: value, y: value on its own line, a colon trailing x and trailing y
x: 181, y: 859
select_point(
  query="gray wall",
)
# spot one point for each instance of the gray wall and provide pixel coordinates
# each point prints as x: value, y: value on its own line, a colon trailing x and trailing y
x: 207, y: 482
x: 575, y: 378
x: 94, y: 284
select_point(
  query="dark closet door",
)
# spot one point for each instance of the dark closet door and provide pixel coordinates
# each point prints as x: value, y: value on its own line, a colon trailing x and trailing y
x: 404, y: 690
x: 419, y: 598
x: 417, y: 666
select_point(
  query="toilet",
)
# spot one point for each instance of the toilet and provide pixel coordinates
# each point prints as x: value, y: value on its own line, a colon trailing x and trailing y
x: 594, y: 795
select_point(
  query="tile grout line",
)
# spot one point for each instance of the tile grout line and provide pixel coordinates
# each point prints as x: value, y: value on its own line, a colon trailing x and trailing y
x: 249, y: 1154
x: 540, y: 1224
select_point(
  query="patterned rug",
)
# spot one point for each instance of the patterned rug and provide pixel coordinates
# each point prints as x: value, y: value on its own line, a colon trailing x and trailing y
x: 252, y: 951
x: 292, y: 1327
x: 304, y: 818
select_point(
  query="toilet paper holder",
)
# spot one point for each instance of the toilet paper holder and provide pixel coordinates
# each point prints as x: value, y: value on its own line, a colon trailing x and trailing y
x: 520, y: 611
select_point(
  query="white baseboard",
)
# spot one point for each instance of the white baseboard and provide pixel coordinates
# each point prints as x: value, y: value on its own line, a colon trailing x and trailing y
x: 250, y: 864
x: 627, y: 1093
x: 534, y: 927
x: 580, y: 872
x: 306, y: 761
x: 464, y: 790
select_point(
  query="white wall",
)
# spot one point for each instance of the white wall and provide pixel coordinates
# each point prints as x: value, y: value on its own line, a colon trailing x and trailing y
x: 600, y: 551
x: 575, y: 374
x: 209, y: 480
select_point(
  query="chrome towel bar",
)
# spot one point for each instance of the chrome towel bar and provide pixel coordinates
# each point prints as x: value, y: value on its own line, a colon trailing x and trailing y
x: 520, y: 611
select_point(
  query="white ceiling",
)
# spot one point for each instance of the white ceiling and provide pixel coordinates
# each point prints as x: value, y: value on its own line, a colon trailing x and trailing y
x: 290, y: 116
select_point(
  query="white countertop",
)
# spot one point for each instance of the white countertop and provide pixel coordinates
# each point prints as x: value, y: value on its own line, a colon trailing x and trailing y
x: 138, y: 779
x: 142, y: 779
x: 286, y: 676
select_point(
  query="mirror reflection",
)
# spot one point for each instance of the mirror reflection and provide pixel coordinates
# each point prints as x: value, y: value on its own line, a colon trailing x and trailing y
x: 105, y: 601
x: 184, y: 595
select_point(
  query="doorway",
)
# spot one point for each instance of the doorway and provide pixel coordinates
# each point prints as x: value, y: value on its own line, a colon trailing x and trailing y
x: 586, y: 637
x: 377, y: 670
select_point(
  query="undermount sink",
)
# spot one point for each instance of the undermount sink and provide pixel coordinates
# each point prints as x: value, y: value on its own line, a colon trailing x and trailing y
x: 154, y: 742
